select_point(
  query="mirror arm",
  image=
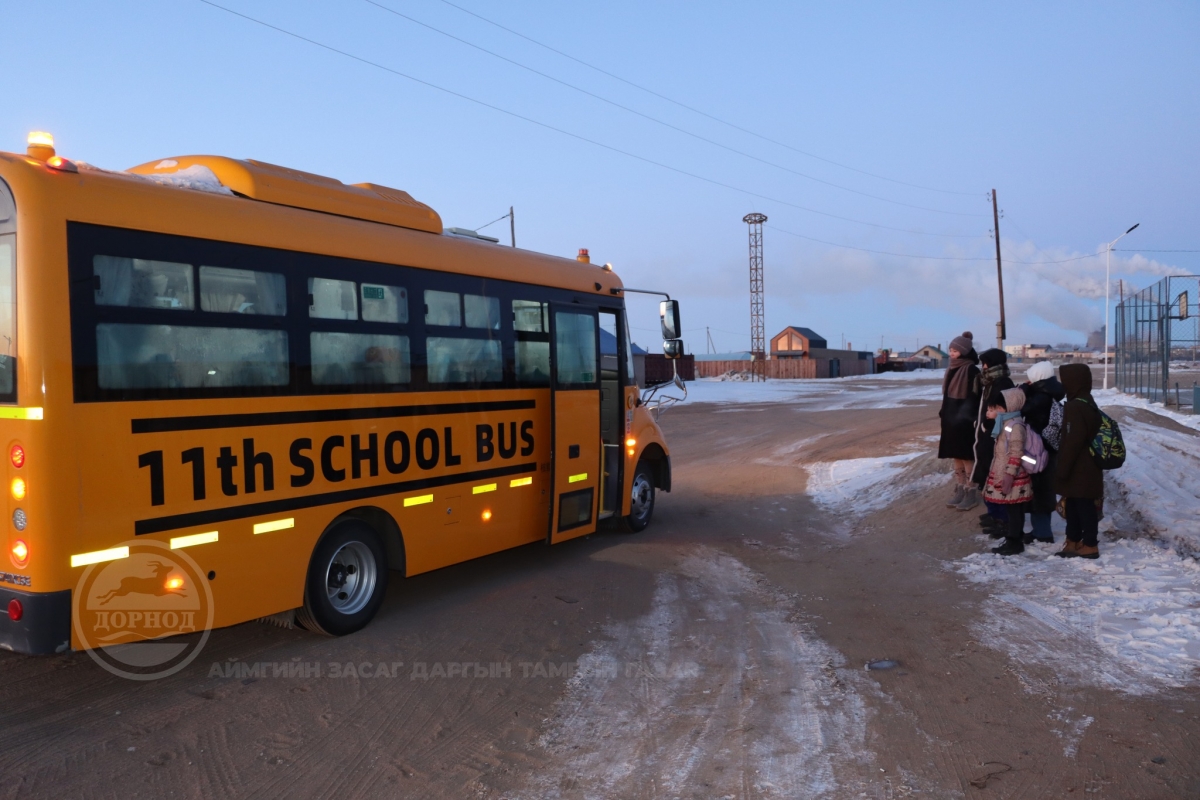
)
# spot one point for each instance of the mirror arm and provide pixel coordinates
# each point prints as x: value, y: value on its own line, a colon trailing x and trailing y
x: 646, y: 291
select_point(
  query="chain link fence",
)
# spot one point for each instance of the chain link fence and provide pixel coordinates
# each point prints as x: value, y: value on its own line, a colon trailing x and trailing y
x: 1157, y: 336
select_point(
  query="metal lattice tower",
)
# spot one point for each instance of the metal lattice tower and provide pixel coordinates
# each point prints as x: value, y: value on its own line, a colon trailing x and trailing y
x: 758, y: 349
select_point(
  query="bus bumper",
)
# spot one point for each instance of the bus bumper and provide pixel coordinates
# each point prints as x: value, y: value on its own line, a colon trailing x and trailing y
x: 44, y: 626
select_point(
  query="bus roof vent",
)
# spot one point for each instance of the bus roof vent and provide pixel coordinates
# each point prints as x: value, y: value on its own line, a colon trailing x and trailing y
x: 290, y: 187
x: 471, y: 234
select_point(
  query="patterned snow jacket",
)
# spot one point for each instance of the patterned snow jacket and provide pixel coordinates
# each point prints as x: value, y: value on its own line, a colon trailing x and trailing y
x: 1006, y: 460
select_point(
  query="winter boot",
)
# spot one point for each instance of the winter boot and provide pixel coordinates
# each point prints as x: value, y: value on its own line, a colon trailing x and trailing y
x: 970, y: 499
x: 1083, y: 551
x: 956, y: 498
x: 1011, y: 547
x: 1069, y: 549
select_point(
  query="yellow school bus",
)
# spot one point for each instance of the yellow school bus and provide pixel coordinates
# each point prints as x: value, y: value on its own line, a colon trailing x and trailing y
x: 299, y: 384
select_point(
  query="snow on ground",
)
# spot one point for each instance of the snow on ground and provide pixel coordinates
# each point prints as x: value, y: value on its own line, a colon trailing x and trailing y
x: 1138, y: 605
x: 886, y: 390
x: 671, y: 700
x: 863, y: 485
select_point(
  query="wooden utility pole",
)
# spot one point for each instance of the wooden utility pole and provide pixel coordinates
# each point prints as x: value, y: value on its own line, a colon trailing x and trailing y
x: 1001, y: 330
x: 512, y: 226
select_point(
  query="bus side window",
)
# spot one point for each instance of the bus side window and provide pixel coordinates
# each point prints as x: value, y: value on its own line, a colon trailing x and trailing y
x: 482, y: 312
x: 242, y: 291
x: 575, y: 348
x: 140, y: 283
x: 370, y: 359
x: 531, y: 327
x: 384, y: 303
x: 454, y: 360
x: 443, y: 308
x: 332, y: 299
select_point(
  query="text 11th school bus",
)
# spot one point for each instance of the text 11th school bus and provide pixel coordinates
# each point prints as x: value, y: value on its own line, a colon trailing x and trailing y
x: 228, y: 380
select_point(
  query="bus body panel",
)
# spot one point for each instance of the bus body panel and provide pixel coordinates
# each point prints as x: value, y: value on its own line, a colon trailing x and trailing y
x: 87, y: 492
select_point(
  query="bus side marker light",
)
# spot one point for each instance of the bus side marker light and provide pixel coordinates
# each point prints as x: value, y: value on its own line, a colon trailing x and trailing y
x: 487, y: 514
x: 194, y: 539
x: 9, y: 412
x: 17, y: 454
x: 274, y: 525
x: 487, y: 487
x: 19, y: 488
x: 20, y: 552
x: 173, y: 584
x: 630, y: 442
x: 515, y: 482
x: 99, y: 556
x: 631, y: 451
x: 577, y: 478
x: 61, y: 164
x: 15, y: 610
x: 419, y: 500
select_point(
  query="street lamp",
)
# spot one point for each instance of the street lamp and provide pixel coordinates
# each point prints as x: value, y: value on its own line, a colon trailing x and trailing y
x: 1107, y: 283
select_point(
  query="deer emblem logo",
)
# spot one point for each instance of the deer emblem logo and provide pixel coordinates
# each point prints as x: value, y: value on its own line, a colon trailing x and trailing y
x: 156, y: 585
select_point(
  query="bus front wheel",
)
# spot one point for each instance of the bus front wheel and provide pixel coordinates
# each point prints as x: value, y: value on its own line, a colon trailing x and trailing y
x: 347, y: 578
x: 641, y: 501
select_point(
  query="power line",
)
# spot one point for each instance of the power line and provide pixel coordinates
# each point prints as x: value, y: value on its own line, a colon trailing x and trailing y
x: 696, y: 110
x: 657, y: 121
x: 564, y: 132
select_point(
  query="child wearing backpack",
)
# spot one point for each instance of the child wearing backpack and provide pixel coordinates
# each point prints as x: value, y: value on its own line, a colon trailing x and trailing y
x: 1008, y: 484
x: 1078, y: 478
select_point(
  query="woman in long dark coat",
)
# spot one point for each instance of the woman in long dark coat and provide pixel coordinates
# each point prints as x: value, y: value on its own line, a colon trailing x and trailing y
x: 960, y: 405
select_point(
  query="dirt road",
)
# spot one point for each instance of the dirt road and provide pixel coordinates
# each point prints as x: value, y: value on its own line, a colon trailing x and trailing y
x: 718, y: 654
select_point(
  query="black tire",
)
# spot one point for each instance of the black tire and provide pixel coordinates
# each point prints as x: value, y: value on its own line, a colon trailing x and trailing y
x: 347, y: 579
x: 642, y: 502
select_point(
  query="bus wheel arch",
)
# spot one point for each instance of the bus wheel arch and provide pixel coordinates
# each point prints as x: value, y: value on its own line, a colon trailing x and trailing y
x: 389, y: 531
x: 660, y: 465
x: 347, y: 575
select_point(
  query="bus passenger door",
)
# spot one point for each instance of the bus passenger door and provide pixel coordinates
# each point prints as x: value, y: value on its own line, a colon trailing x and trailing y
x: 575, y: 464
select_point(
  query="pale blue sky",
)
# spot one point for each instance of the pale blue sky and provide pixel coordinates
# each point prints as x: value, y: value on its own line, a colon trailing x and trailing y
x: 1083, y: 116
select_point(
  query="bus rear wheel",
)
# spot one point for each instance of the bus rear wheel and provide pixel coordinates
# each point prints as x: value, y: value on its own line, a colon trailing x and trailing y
x: 641, y: 501
x: 347, y: 579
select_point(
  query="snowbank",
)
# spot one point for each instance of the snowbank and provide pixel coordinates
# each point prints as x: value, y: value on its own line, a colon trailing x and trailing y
x: 863, y: 485
x: 1139, y: 605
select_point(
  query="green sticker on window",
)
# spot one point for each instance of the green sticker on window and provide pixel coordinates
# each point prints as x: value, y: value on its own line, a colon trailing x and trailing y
x: 372, y: 292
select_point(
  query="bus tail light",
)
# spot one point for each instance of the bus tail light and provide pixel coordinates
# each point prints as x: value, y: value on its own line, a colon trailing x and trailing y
x: 20, y: 553
x: 17, y: 456
x: 15, y: 610
x: 486, y: 515
x: 19, y: 488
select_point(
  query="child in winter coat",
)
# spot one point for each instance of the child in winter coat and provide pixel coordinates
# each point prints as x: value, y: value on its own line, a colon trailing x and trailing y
x: 993, y: 377
x: 1007, y: 483
x: 1042, y: 391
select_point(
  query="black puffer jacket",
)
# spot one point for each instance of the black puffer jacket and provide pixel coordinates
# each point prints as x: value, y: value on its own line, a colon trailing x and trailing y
x: 1077, y: 474
x: 1039, y: 397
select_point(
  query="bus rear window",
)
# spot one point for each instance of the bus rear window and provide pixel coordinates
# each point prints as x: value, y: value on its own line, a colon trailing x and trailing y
x: 8, y: 318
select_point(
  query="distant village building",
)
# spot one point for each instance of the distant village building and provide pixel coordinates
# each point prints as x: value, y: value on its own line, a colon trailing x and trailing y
x: 796, y: 342
x: 935, y: 357
x: 1031, y: 351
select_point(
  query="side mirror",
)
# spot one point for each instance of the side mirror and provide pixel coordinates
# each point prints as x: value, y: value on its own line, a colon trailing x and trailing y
x: 668, y: 313
x: 673, y: 348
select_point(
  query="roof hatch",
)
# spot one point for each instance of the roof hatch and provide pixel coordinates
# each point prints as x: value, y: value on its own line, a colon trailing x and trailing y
x: 291, y: 187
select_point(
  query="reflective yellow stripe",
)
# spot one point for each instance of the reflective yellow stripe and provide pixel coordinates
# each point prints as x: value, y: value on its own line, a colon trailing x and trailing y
x: 194, y: 539
x: 520, y: 482
x: 275, y: 525
x: 487, y: 487
x: 95, y: 557
x: 419, y: 500
x: 577, y: 478
x: 10, y: 412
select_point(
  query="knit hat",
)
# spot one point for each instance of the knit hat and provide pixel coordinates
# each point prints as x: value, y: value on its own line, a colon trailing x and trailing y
x: 1040, y: 372
x: 993, y: 357
x: 963, y: 344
